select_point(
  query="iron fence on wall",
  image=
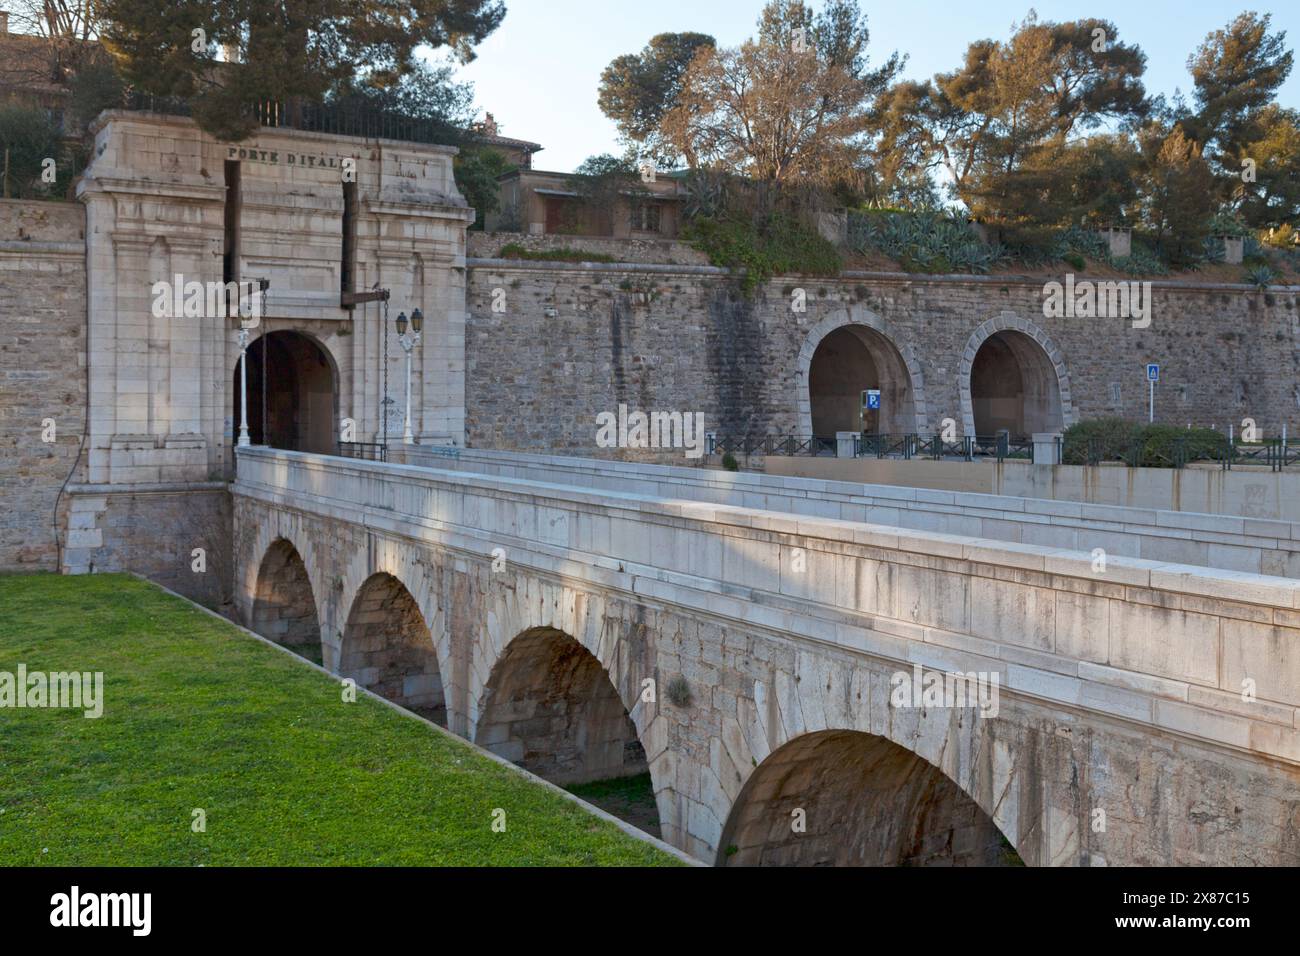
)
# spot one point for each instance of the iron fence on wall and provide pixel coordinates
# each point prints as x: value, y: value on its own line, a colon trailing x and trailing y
x: 909, y: 446
x: 1274, y: 454
x: 340, y: 118
x: 365, y: 450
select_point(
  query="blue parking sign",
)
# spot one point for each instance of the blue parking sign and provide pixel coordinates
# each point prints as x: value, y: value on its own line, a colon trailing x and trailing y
x: 872, y: 396
x: 1153, y: 373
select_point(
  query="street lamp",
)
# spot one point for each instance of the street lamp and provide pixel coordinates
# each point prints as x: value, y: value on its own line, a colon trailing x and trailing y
x: 409, y: 342
x: 243, y: 386
x: 249, y: 319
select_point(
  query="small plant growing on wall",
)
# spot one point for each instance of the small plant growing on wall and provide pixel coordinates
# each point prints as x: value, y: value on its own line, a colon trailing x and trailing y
x: 729, y: 462
x: 679, y: 692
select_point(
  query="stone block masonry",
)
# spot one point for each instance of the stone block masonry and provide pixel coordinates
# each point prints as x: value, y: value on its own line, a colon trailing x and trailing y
x: 42, y: 374
x: 551, y: 345
x: 1120, y: 692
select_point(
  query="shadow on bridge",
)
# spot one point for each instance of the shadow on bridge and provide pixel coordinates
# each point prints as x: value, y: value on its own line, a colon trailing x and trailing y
x: 847, y: 798
x: 387, y: 649
x: 551, y: 707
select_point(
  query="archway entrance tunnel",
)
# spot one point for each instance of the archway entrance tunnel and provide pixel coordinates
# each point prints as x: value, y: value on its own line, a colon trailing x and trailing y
x: 388, y: 649
x: 284, y: 608
x: 292, y: 394
x: 846, y: 798
x: 551, y: 708
x: 1013, y: 387
x: 847, y: 362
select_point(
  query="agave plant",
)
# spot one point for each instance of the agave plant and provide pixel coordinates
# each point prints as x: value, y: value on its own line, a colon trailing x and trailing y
x: 1261, y: 277
x: 706, y: 194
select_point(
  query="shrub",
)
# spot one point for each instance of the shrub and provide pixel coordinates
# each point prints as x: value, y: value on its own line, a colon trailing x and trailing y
x: 779, y: 245
x: 1283, y: 237
x: 729, y: 462
x: 1139, y: 444
x: 30, y: 137
x: 1109, y: 439
x: 679, y: 691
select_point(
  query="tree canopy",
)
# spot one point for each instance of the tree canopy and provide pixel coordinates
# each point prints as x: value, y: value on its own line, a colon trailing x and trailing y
x: 283, y: 50
x: 638, y: 89
x: 791, y: 103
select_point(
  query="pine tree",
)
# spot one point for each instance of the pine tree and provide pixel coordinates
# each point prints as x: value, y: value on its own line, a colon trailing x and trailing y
x: 287, y: 51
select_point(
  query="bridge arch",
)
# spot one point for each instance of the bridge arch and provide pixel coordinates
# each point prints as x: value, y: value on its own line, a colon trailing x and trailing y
x: 276, y: 541
x: 846, y: 353
x: 830, y: 710
x: 576, y: 661
x: 387, y: 647
x: 550, y: 706
x: 284, y: 608
x: 1013, y: 376
x: 850, y: 798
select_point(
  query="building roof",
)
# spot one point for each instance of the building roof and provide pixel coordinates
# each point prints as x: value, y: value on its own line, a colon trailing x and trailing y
x: 25, y: 66
x: 486, y: 132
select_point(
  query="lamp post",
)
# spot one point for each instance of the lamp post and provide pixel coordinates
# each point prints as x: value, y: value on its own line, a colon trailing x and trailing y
x: 243, y: 387
x: 408, y: 342
x: 250, y: 316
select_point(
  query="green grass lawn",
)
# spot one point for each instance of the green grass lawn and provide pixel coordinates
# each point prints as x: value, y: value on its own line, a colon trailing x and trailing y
x: 629, y: 798
x: 200, y: 715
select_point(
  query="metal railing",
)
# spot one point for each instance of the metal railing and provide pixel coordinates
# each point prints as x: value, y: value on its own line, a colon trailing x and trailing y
x: 365, y: 450
x: 341, y: 118
x: 997, y: 447
x: 909, y: 446
x: 811, y: 445
x: 886, y: 446
x: 1273, y: 454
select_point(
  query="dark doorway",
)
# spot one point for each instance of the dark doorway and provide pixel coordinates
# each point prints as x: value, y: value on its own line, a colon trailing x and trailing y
x: 291, y: 394
x: 1013, y: 388
x: 847, y: 362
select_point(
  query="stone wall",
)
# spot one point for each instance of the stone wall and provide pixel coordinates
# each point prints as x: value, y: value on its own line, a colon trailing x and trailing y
x: 42, y: 373
x: 177, y: 535
x: 488, y: 245
x: 567, y: 341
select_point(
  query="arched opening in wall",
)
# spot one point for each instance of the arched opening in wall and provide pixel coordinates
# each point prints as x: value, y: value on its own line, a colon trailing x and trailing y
x: 849, y: 361
x: 846, y: 798
x: 387, y: 648
x: 551, y: 708
x: 284, y: 607
x: 1013, y: 387
x: 292, y: 394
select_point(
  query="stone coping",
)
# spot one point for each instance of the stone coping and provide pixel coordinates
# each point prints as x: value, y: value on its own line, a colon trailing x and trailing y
x: 851, y: 275
x: 848, y: 492
x: 1200, y: 582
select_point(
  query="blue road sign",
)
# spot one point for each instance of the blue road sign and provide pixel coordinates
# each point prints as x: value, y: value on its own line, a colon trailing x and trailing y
x: 873, y: 398
x: 1153, y: 373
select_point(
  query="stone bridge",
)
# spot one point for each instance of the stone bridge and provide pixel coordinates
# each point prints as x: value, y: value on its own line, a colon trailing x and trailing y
x: 749, y: 659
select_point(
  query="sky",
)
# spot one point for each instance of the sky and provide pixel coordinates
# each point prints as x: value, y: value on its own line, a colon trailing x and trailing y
x: 539, y: 73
